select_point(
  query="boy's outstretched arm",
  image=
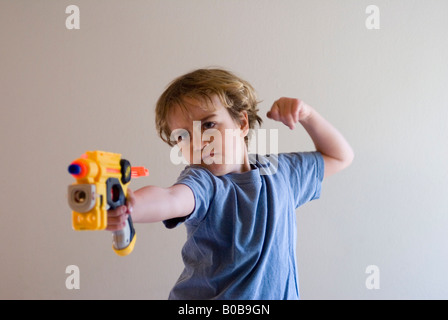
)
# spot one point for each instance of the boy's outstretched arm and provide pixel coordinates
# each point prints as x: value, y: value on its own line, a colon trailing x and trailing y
x: 336, y: 151
x: 152, y: 204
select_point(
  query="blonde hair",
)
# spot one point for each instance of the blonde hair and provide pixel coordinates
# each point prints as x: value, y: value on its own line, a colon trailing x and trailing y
x: 236, y: 94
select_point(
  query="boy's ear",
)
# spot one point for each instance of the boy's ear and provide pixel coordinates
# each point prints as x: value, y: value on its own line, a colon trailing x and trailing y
x: 244, y: 123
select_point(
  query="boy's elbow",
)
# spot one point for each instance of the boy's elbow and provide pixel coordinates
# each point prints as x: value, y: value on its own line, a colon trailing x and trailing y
x: 349, y: 158
x: 335, y: 165
x: 181, y: 200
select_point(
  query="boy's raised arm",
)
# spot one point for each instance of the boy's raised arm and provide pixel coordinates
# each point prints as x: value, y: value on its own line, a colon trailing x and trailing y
x: 336, y: 151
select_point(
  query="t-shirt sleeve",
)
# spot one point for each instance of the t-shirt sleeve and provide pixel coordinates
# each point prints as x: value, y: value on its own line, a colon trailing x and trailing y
x: 200, y: 181
x: 305, y: 172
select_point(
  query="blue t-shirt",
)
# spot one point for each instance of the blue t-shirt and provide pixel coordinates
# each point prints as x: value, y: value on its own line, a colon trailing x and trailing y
x: 241, y: 236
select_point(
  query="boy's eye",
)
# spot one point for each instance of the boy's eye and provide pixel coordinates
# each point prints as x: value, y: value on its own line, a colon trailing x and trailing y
x: 209, y: 125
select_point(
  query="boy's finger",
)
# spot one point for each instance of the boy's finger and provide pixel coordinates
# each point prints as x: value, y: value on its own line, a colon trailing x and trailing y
x: 117, y: 212
x: 296, y: 111
x: 130, y: 201
x: 274, y: 113
x: 116, y: 227
x: 290, y: 122
x: 113, y: 221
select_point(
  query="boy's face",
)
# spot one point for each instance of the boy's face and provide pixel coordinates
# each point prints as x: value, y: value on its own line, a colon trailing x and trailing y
x: 210, y: 137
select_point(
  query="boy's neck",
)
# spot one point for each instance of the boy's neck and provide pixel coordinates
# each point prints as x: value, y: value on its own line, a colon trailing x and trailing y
x: 245, y: 166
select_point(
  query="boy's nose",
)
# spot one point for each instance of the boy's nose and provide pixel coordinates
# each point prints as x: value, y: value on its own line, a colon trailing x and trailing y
x: 197, y: 136
x: 200, y: 139
x: 198, y: 146
x: 196, y: 152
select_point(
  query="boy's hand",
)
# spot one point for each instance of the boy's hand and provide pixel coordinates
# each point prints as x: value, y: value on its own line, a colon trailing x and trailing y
x: 289, y: 111
x: 116, y: 219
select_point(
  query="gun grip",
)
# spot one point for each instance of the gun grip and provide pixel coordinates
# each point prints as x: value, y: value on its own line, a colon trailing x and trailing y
x: 123, y: 241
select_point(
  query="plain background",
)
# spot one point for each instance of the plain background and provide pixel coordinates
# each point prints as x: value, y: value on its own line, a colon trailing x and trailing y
x: 67, y: 91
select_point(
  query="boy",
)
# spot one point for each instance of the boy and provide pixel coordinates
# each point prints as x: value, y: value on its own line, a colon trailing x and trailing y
x: 239, y: 211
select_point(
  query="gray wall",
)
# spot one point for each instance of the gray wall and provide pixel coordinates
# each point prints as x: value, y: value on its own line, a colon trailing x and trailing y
x: 67, y: 91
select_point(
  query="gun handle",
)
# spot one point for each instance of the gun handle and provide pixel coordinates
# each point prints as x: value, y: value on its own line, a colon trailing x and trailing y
x: 123, y: 241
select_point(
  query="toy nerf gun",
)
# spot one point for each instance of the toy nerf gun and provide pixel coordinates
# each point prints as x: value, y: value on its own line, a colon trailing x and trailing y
x: 102, y: 180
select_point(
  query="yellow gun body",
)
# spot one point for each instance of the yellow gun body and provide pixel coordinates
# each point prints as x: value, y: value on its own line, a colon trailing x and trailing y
x: 102, y: 180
